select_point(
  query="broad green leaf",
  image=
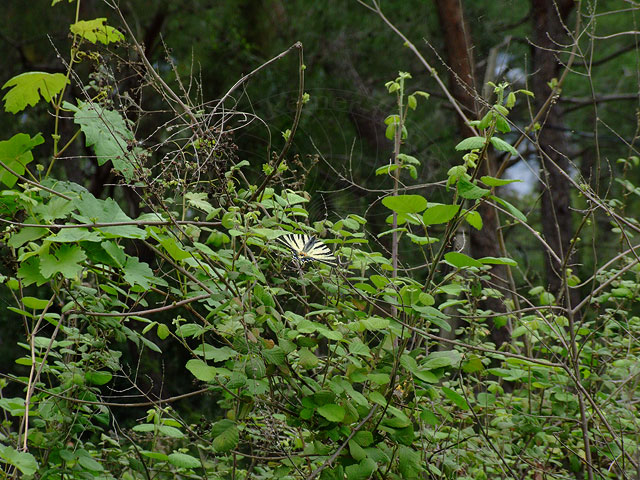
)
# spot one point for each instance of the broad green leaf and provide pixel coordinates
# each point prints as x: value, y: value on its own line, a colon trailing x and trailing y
x: 23, y: 461
x: 217, y: 354
x: 498, y: 261
x: 474, y: 219
x: 29, y: 86
x: 89, y: 463
x: 460, y: 260
x: 471, y: 143
x: 15, y: 153
x: 332, y: 412
x: 98, y: 377
x: 35, y: 303
x: 183, y: 460
x: 308, y: 359
x: 439, y: 214
x: 226, y: 435
x: 170, y: 431
x: 468, y: 190
x: 356, y: 451
x: 500, y: 144
x: 422, y: 240
x: 96, y: 30
x: 27, y: 234
x: 362, y: 470
x: 510, y: 208
x: 497, y: 182
x: 202, y: 371
x: 405, y: 203
x: 138, y: 273
x: 456, y: 398
x: 109, y: 136
x: 434, y: 315
x: 66, y: 261
x: 94, y: 210
x: 274, y: 355
x: 375, y: 323
x: 29, y: 272
x: 356, y: 347
x: 409, y: 462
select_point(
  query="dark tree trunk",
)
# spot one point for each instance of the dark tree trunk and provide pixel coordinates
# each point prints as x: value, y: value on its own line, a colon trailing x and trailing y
x: 458, y: 45
x: 549, y: 37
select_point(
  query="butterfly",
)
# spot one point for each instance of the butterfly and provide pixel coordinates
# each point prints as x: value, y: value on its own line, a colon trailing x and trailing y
x: 306, y: 248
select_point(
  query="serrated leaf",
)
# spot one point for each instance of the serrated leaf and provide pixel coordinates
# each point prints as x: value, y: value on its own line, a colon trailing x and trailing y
x: 332, y: 412
x: 29, y: 87
x: 501, y: 145
x: 107, y: 133
x: 308, y: 359
x: 468, y: 190
x: 497, y: 182
x: 226, y: 435
x: 183, y: 460
x: 405, y: 203
x: 138, y: 273
x: 456, y: 398
x: 23, y: 461
x: 439, y: 214
x: 66, y: 261
x: 498, y: 261
x: 202, y: 371
x: 510, y: 208
x: 96, y: 30
x: 474, y: 219
x: 15, y: 153
x: 471, y: 143
x: 460, y: 260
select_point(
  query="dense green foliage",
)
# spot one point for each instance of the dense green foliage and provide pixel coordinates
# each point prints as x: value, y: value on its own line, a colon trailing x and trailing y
x: 155, y: 329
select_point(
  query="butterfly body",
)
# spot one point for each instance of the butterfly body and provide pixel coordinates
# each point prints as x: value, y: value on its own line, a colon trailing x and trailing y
x: 306, y: 248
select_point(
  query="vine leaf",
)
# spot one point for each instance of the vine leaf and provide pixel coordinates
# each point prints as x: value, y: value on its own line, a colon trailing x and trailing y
x: 108, y: 134
x: 96, y: 30
x: 15, y: 153
x: 29, y: 87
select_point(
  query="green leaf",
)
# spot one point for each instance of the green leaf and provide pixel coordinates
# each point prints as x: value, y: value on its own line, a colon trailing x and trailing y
x: 138, y: 273
x: 497, y: 182
x: 308, y: 359
x: 498, y: 261
x: 98, y: 377
x: 89, y: 463
x: 170, y: 431
x: 332, y: 412
x: 107, y: 133
x: 474, y: 219
x: 422, y: 240
x: 15, y: 153
x: 27, y: 234
x: 35, y: 303
x: 29, y: 272
x: 510, y: 208
x: 460, y: 260
x: 274, y: 356
x: 202, y: 371
x: 183, y: 460
x: 356, y: 347
x: 409, y: 463
x: 23, y: 461
x: 439, y: 214
x: 500, y: 144
x: 66, y: 261
x: 471, y: 143
x: 405, y: 203
x: 96, y: 30
x: 29, y: 86
x: 362, y: 470
x: 456, y: 398
x: 468, y: 190
x: 94, y: 210
x: 226, y: 435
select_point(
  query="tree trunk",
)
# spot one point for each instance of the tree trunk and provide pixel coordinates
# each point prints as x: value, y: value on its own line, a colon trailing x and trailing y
x: 549, y: 36
x: 484, y: 243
